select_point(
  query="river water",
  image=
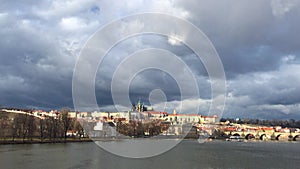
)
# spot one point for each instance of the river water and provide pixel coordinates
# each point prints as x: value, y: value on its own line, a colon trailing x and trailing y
x: 188, y: 154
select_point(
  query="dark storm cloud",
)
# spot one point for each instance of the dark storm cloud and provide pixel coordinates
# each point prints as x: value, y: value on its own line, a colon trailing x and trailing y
x: 254, y: 40
x: 257, y: 41
x: 247, y: 35
x: 36, y: 62
x: 148, y: 80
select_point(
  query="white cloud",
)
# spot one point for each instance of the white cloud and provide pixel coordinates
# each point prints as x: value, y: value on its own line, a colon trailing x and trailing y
x: 286, y: 109
x: 268, y: 92
x: 186, y: 106
x: 58, y: 9
x: 175, y: 40
x: 169, y: 7
x: 3, y: 16
x: 131, y: 26
x: 72, y: 23
x: 281, y: 7
x: 288, y: 58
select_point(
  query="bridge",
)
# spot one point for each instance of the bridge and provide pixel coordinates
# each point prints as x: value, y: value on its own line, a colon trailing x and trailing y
x: 264, y: 135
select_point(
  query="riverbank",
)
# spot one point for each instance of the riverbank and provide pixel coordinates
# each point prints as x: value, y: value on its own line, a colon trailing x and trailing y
x: 35, y: 141
x: 76, y: 140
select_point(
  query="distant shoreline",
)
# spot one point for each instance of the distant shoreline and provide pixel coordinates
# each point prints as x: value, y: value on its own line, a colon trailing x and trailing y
x: 19, y: 142
x: 7, y: 142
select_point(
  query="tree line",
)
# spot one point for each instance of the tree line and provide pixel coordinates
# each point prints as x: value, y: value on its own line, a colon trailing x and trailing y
x: 25, y: 127
x: 139, y: 129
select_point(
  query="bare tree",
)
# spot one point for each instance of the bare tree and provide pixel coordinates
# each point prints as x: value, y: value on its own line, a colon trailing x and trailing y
x: 4, y: 125
x: 16, y: 127
x: 49, y: 122
x: 21, y: 124
x: 30, y: 127
x: 19, y: 129
x: 79, y: 129
x: 66, y: 121
x: 42, y: 127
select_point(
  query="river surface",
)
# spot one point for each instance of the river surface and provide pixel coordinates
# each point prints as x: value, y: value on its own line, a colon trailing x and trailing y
x: 188, y: 154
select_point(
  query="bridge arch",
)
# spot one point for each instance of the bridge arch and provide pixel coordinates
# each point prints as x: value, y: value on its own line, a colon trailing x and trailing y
x: 249, y: 136
x: 296, y: 136
x: 277, y: 137
x: 263, y: 137
x: 236, y: 134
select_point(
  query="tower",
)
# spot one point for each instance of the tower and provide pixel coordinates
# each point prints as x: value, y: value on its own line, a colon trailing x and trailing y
x: 174, y: 112
x: 140, y: 106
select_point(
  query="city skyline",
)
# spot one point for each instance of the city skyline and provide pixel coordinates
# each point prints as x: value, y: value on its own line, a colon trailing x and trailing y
x: 257, y: 43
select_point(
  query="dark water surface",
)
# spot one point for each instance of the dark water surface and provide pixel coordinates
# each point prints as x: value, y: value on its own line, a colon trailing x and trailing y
x: 188, y: 154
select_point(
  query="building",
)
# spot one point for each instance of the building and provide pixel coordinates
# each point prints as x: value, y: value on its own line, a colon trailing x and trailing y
x: 183, y: 118
x: 155, y: 114
x: 190, y: 118
x: 72, y: 114
x: 209, y: 119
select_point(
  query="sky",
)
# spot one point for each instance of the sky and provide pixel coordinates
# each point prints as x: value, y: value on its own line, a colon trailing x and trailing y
x: 257, y: 41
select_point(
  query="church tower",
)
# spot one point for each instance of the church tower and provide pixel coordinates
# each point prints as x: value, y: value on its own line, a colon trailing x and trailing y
x: 174, y: 112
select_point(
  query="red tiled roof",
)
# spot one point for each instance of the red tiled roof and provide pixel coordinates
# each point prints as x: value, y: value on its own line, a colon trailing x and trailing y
x: 209, y: 116
x: 267, y: 128
x: 184, y: 115
x: 230, y: 129
x: 155, y: 112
